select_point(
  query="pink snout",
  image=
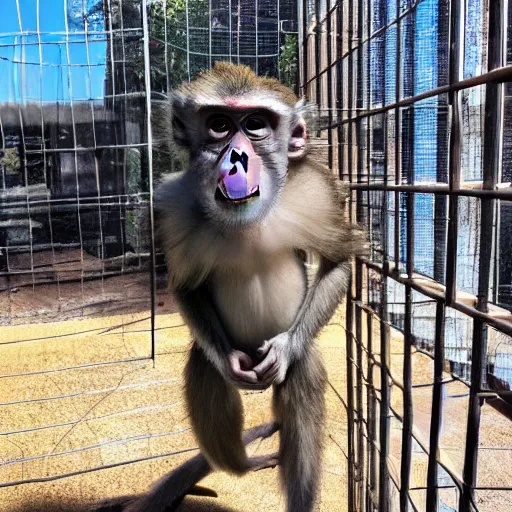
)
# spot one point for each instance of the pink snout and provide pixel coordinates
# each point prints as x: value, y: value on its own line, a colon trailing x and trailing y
x: 239, y: 170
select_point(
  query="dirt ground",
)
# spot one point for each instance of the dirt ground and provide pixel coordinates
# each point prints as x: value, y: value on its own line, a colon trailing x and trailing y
x: 80, y: 398
x: 83, y: 406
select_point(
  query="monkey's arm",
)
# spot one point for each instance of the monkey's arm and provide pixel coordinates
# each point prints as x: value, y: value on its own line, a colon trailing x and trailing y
x: 320, y: 303
x: 199, y: 313
x: 318, y: 306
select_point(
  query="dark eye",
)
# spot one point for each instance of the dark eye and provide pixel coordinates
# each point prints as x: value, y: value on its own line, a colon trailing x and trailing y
x: 219, y: 127
x: 257, y: 127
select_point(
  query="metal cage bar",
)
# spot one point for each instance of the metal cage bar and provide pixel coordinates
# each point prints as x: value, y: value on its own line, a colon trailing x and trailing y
x: 406, y: 109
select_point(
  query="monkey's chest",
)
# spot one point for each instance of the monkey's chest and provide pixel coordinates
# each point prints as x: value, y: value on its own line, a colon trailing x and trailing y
x: 256, y: 304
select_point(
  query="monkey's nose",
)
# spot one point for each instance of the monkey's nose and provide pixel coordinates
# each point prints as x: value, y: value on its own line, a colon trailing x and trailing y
x: 239, y: 174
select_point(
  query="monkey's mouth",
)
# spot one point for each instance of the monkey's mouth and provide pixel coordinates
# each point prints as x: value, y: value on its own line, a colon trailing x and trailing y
x: 221, y: 194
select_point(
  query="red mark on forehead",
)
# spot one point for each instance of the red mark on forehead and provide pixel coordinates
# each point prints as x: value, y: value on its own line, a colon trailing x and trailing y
x: 237, y: 103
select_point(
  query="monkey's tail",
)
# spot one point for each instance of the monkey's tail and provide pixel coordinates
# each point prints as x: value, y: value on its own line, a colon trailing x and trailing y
x: 216, y: 413
x: 299, y: 406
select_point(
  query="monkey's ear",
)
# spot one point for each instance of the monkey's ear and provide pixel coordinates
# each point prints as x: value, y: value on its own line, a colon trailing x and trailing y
x: 179, y: 107
x: 298, y: 133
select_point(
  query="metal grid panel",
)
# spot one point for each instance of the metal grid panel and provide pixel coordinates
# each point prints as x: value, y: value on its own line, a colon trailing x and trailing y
x: 74, y: 159
x: 413, y: 98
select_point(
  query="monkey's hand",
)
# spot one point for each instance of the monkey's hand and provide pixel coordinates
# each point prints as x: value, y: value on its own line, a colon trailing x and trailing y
x: 276, y: 356
x: 241, y: 371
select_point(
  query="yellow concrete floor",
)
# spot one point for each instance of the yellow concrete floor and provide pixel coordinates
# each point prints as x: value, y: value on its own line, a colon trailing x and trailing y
x: 63, y: 413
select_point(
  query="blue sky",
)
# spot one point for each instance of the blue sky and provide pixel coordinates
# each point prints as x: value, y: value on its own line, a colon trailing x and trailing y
x: 23, y: 78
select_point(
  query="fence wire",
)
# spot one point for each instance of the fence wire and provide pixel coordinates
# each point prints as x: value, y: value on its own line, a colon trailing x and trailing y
x: 414, y: 98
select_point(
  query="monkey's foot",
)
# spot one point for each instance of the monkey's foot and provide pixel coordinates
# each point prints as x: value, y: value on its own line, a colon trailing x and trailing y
x: 264, y: 462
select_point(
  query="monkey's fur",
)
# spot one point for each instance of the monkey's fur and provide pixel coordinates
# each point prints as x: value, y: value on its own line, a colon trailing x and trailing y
x: 236, y: 270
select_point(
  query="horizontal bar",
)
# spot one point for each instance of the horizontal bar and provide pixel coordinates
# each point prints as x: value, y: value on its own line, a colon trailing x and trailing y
x: 499, y: 75
x: 97, y: 468
x: 503, y: 326
x: 439, y: 189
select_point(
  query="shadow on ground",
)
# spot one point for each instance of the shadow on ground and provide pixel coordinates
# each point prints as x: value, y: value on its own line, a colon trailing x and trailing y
x: 189, y: 505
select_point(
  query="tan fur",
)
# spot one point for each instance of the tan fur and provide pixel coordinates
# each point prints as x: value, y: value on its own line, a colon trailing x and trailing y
x: 299, y: 407
x: 217, y: 415
x: 227, y: 79
x: 310, y: 215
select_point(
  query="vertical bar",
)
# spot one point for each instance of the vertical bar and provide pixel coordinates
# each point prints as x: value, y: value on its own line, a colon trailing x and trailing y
x: 370, y: 486
x: 147, y: 86
x: 384, y: 406
x: 43, y: 140
x: 166, y: 48
x: 410, y: 200
x: 238, y: 17
x: 384, y: 504
x: 398, y: 138
x: 454, y: 100
x: 437, y: 407
x: 350, y: 396
x: 187, y: 28
x: 329, y: 85
x: 318, y: 50
x: 493, y: 137
x: 410, y: 196
x: 209, y: 33
x: 304, y: 47
x: 405, y: 467
x: 441, y: 202
x: 350, y: 88
x: 359, y: 469
x: 278, y: 49
x: 75, y: 152
x: 256, y: 9
x: 474, y: 410
x: 230, y: 27
x: 339, y: 88
x: 409, y: 263
x: 359, y: 124
x: 491, y: 167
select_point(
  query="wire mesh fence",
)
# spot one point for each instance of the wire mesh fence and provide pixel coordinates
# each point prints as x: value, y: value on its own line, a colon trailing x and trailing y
x: 414, y: 100
x: 74, y: 158
x: 78, y: 81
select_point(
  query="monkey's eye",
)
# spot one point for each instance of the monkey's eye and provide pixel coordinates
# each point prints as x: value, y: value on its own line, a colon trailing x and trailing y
x: 219, y: 127
x: 257, y: 127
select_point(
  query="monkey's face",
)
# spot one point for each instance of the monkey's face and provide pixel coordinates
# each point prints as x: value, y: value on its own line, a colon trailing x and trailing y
x: 238, y: 157
x: 247, y: 163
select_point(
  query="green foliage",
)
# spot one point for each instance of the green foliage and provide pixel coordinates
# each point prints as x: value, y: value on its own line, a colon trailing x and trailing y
x: 288, y: 62
x: 173, y: 20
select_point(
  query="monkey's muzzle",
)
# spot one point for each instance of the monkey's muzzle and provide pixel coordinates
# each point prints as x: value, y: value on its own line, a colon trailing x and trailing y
x: 239, y: 171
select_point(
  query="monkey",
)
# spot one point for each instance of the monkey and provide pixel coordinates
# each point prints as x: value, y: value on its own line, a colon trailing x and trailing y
x: 234, y: 225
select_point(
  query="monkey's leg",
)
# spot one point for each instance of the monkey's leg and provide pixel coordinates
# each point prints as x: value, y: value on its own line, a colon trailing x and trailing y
x: 300, y: 410
x: 216, y: 413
